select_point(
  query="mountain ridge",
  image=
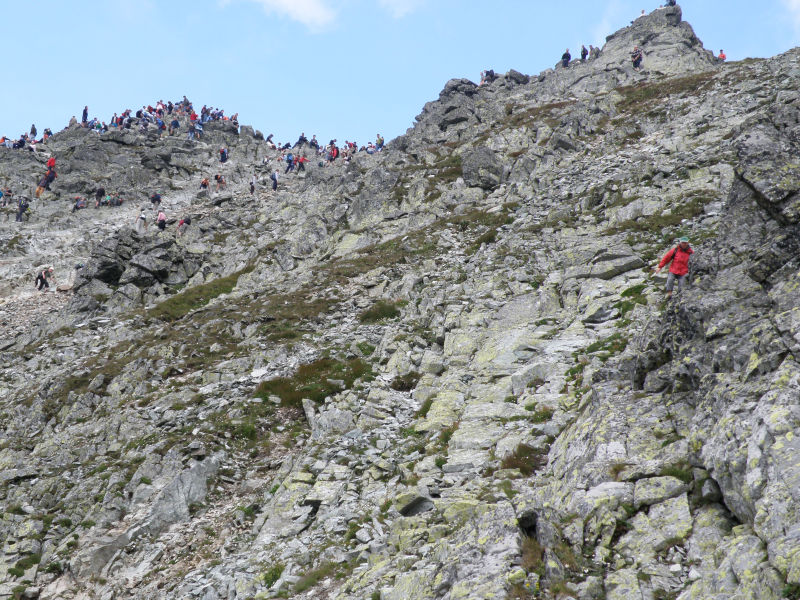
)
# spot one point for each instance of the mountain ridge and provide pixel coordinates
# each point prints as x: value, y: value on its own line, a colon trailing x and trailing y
x: 440, y: 371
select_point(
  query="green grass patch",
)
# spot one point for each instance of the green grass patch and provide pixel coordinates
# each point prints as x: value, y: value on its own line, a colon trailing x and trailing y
x: 613, y: 344
x: 179, y: 305
x: 315, y: 381
x: 313, y: 577
x: 791, y: 591
x: 542, y: 416
x: 425, y: 408
x: 679, y: 472
x: 381, y: 311
x: 489, y: 237
x: 637, y: 97
x: 532, y: 555
x: 405, y: 383
x: 526, y: 459
x: 365, y: 348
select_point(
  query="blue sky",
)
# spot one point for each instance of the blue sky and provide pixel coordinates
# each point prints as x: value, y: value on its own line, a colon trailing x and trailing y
x: 344, y: 69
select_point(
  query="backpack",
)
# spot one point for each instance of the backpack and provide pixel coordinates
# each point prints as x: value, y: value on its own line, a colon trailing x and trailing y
x: 289, y: 157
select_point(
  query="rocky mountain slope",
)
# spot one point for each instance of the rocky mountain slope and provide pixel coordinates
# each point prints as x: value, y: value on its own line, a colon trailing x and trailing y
x: 441, y: 371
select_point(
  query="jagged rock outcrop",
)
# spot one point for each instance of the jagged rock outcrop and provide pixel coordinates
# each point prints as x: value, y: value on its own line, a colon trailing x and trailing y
x: 441, y: 371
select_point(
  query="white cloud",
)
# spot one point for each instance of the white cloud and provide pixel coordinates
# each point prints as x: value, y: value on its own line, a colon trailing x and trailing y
x: 400, y: 8
x: 793, y: 6
x: 314, y: 14
x: 612, y: 15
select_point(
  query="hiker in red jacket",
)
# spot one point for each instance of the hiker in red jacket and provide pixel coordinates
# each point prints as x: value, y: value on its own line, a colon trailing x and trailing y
x: 679, y: 257
x: 51, y: 162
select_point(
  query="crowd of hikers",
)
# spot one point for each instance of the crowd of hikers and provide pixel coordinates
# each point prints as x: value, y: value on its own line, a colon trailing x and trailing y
x: 169, y: 119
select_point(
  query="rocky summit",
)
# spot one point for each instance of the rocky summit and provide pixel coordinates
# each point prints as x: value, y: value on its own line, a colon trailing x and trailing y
x: 441, y: 371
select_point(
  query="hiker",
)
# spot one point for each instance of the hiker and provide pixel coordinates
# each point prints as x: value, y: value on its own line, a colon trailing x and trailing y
x: 161, y: 220
x: 221, y: 183
x: 204, y: 183
x: 183, y: 224
x: 253, y: 184
x: 22, y: 208
x: 98, y: 195
x: 636, y: 57
x: 223, y: 155
x: 584, y: 53
x: 274, y: 178
x: 33, y: 131
x: 79, y: 203
x: 378, y: 143
x: 722, y: 56
x: 174, y: 126
x: 289, y: 163
x: 301, y: 141
x: 671, y: 3
x: 487, y: 77
x: 300, y: 161
x: 679, y: 268
x: 141, y: 221
x: 155, y: 200
x: 192, y: 128
x: 565, y: 58
x: 42, y: 279
x: 85, y: 116
x: 314, y: 143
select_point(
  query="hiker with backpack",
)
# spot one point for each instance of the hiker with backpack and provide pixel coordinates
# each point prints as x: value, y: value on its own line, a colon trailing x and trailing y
x: 274, y: 178
x: 43, y: 279
x: 289, y: 163
x: 221, y: 183
x: 565, y: 58
x: 140, y: 225
x: 22, y: 208
x: 636, y: 57
x: 155, y: 200
x: 223, y: 155
x: 678, y: 259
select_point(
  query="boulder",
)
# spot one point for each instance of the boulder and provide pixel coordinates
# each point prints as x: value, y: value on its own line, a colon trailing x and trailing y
x: 482, y: 168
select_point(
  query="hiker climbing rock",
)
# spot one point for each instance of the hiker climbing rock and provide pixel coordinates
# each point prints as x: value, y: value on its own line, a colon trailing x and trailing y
x: 221, y: 183
x: 155, y: 200
x: 636, y: 57
x: 679, y: 268
x: 22, y: 207
x: 274, y: 178
x: 161, y: 220
x: 141, y: 221
x: 43, y: 279
x: 223, y: 155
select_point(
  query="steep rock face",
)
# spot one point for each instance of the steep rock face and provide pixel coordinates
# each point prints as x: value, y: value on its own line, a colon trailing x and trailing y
x: 443, y: 371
